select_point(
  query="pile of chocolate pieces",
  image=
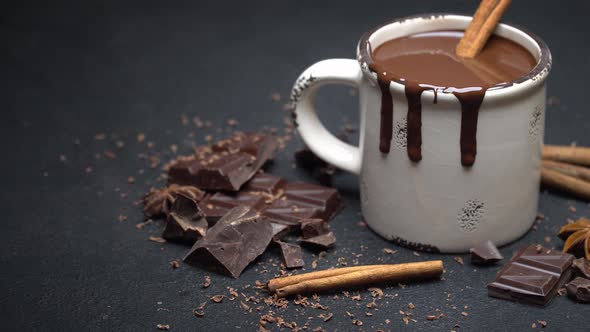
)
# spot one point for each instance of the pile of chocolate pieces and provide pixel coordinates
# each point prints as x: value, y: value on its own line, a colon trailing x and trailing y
x: 220, y: 201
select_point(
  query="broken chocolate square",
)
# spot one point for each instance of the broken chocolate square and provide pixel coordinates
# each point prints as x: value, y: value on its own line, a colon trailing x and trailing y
x: 484, y: 254
x: 236, y: 240
x: 185, y: 222
x: 579, y: 290
x: 324, y: 241
x: 292, y: 254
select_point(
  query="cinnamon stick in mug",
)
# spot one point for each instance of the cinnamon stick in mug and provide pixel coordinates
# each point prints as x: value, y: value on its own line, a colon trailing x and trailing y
x: 482, y: 25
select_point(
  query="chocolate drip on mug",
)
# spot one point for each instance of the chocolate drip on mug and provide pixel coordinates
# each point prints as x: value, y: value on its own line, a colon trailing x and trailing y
x: 470, y: 102
x: 427, y: 61
x: 386, y: 128
x: 414, y: 120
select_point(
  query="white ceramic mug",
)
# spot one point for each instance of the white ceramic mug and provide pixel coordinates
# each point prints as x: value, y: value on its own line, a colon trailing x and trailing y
x: 437, y: 204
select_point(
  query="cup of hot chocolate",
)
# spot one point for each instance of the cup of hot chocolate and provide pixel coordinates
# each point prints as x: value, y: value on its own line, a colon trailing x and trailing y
x: 450, y: 148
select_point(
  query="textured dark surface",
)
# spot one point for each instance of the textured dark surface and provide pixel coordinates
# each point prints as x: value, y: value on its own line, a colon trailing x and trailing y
x: 70, y: 71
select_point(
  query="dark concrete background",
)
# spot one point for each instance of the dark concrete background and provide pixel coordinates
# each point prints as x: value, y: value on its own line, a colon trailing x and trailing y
x: 72, y: 70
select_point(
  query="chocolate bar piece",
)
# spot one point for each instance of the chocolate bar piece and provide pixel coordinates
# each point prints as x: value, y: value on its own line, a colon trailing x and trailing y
x: 185, y: 221
x: 532, y: 276
x: 579, y: 290
x: 236, y: 240
x: 279, y: 201
x: 484, y: 254
x: 292, y: 254
x: 218, y: 204
x: 225, y: 166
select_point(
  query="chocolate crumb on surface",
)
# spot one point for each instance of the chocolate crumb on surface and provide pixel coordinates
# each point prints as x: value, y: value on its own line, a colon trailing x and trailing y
x: 156, y: 239
x: 207, y: 282
x: 217, y: 298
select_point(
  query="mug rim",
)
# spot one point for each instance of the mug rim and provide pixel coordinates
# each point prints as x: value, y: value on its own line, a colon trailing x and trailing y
x: 535, y: 77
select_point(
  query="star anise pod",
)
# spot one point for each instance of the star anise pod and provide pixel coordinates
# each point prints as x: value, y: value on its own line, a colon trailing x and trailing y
x: 577, y: 238
x: 158, y: 201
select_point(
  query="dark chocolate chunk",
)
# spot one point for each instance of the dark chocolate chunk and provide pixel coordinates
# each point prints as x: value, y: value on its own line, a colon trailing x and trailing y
x: 279, y: 231
x: 303, y: 201
x: 217, y: 205
x: 157, y: 202
x: 265, y: 183
x: 306, y: 159
x: 185, y: 221
x: 579, y: 290
x: 313, y: 227
x: 281, y: 202
x: 292, y: 254
x: 323, y: 241
x: 532, y: 276
x: 226, y: 165
x: 236, y: 240
x: 484, y: 254
x: 315, y: 166
x: 581, y: 268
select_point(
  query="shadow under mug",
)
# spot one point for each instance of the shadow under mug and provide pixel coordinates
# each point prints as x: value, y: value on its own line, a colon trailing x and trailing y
x: 437, y: 204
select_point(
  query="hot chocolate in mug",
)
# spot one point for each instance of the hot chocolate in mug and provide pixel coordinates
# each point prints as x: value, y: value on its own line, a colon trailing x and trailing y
x: 476, y: 173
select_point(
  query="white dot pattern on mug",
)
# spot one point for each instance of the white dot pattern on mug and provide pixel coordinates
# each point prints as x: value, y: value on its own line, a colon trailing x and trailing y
x: 471, y: 215
x: 400, y: 130
x: 535, y: 122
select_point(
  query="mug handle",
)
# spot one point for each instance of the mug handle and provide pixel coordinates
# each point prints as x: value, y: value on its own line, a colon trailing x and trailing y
x: 319, y: 140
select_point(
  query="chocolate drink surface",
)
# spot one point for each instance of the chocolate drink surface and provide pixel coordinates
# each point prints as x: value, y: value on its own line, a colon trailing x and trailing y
x: 427, y: 61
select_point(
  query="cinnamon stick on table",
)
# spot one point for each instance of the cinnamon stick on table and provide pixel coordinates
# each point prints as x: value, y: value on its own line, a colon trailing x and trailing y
x: 579, y: 172
x: 281, y: 282
x: 482, y: 25
x: 366, y: 276
x: 575, y: 186
x: 568, y: 154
